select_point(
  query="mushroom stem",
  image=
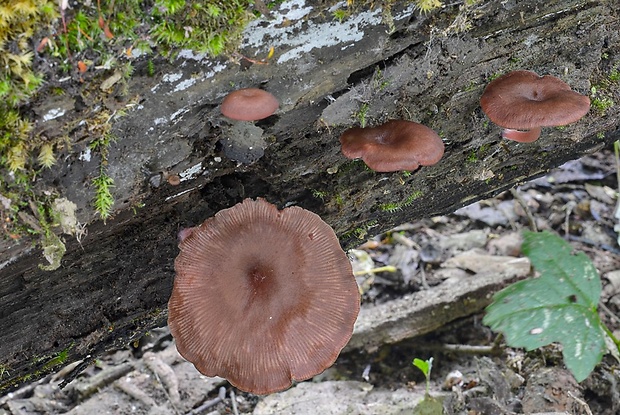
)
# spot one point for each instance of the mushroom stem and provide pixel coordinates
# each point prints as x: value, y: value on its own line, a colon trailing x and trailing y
x: 522, y: 136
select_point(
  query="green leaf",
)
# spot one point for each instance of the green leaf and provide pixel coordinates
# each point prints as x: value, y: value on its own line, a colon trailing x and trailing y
x: 558, y: 306
x: 424, y: 365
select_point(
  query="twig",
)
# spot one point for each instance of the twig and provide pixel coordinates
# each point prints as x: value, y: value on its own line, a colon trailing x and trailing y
x: 423, y: 277
x: 403, y: 240
x: 210, y: 403
x: 515, y: 193
x: 569, y: 209
x: 472, y: 349
x: 233, y: 401
x: 386, y: 268
x: 581, y: 402
x: 585, y: 241
x: 608, y: 312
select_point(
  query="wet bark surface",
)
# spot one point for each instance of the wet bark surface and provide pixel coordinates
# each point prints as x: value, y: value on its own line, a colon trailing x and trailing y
x: 114, y: 284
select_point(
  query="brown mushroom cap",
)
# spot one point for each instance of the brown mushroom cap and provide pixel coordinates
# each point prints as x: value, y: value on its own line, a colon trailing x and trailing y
x: 262, y: 297
x: 249, y: 104
x: 523, y: 100
x: 393, y: 146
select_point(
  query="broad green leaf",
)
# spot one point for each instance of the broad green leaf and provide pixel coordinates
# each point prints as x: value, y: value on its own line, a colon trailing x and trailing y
x: 558, y: 306
x: 424, y: 365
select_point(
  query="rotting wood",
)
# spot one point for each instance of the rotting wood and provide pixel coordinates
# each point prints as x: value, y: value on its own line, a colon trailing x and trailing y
x: 425, y: 311
x: 114, y: 285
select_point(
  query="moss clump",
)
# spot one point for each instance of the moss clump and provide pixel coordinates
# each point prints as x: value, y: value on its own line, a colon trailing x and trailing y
x: 212, y: 27
x: 18, y: 82
x: 87, y: 41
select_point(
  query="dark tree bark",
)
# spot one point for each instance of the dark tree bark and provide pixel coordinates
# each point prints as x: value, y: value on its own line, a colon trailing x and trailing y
x: 328, y: 76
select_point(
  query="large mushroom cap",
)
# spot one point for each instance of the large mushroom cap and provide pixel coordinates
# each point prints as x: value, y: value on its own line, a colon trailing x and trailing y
x: 249, y: 104
x: 523, y: 100
x: 393, y: 146
x: 262, y: 297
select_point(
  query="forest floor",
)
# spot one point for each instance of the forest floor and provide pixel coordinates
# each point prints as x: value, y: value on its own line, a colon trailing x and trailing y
x: 473, y: 371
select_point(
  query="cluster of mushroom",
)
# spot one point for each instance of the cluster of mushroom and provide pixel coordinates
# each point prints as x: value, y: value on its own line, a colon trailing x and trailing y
x: 265, y: 297
x: 521, y: 102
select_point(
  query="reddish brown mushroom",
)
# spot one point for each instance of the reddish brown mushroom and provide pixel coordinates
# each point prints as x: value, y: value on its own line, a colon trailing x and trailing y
x: 249, y: 104
x: 262, y: 297
x: 521, y: 102
x: 393, y: 146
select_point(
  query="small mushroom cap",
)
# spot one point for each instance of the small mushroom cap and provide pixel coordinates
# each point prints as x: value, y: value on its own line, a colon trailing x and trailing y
x: 249, y: 104
x: 523, y: 100
x: 262, y: 297
x: 394, y: 146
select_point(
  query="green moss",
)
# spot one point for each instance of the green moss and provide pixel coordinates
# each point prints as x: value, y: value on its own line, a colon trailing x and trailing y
x: 318, y: 194
x: 212, y: 27
x: 601, y: 92
x: 390, y: 207
x: 426, y: 6
x: 362, y: 113
x: 340, y: 14
x: 602, y: 104
x: 57, y: 360
x: 104, y: 200
x: 361, y: 231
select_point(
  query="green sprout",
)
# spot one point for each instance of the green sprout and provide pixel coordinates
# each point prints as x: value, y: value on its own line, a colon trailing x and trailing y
x: 429, y: 405
x: 425, y: 366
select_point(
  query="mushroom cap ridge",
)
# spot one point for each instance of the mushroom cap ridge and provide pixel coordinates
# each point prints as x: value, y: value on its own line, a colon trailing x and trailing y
x: 524, y: 100
x: 262, y: 297
x: 394, y: 146
x: 249, y: 104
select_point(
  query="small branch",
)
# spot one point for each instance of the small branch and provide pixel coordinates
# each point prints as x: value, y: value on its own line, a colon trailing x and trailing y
x: 386, y: 268
x: 515, y: 193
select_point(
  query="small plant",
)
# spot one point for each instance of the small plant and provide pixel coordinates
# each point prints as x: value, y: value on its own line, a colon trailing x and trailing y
x: 340, y: 15
x: 429, y: 405
x: 426, y: 6
x: 425, y: 366
x: 390, y: 207
x: 413, y: 196
x: 104, y: 200
x: 318, y: 194
x: 362, y: 113
x: 558, y: 306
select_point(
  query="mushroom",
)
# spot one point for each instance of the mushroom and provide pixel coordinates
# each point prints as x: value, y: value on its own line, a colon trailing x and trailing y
x: 521, y: 102
x: 262, y: 297
x: 393, y: 146
x: 249, y: 104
